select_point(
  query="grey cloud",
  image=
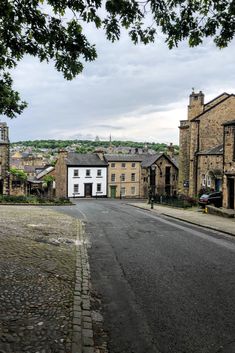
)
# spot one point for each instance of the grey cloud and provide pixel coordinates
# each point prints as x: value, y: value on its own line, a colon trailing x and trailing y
x: 126, y: 80
x: 112, y: 127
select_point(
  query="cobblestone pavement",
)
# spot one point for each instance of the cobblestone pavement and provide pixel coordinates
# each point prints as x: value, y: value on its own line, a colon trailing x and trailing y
x: 37, y: 279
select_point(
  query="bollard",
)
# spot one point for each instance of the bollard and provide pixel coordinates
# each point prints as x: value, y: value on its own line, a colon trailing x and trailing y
x: 152, y: 203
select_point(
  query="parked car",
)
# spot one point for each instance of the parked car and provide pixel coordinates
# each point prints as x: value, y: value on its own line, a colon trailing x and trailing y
x: 214, y: 198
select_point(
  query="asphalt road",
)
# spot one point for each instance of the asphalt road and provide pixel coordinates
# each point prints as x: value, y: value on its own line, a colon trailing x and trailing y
x: 166, y: 286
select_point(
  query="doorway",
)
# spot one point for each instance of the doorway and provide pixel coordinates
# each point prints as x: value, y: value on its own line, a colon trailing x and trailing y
x: 113, y: 192
x: 88, y: 190
x: 218, y: 184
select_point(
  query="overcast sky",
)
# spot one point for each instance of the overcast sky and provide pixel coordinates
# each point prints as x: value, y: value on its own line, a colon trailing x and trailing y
x: 131, y: 92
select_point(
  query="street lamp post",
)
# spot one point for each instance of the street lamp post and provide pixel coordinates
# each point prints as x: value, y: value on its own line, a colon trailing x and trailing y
x: 120, y: 187
x: 152, y: 183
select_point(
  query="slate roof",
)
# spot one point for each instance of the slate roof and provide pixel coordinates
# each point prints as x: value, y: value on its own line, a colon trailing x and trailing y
x: 84, y: 160
x: 124, y: 157
x: 214, y: 150
x: 44, y: 172
x: 148, y: 161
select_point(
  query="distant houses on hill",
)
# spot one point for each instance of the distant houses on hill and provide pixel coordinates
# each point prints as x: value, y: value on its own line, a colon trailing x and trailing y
x: 205, y: 163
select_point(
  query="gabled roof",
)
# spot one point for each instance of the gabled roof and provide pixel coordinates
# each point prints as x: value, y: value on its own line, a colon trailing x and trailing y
x: 213, y: 106
x: 45, y: 172
x: 214, y: 99
x: 148, y: 161
x: 83, y: 160
x: 217, y: 150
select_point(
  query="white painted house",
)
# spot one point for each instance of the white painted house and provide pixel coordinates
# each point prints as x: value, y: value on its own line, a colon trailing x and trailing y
x: 86, y: 175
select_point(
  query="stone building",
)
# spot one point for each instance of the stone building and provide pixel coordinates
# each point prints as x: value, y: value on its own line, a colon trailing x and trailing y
x: 80, y: 175
x: 229, y: 165
x: 124, y: 175
x: 204, y: 144
x: 4, y: 158
x: 136, y: 175
x: 160, y: 175
x: 115, y: 175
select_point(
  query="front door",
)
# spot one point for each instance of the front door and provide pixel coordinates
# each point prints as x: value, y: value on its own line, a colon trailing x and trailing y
x: 113, y: 191
x: 231, y: 193
x: 88, y: 190
x: 218, y: 185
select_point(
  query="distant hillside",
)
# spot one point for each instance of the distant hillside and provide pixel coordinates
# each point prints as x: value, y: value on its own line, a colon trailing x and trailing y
x: 84, y: 146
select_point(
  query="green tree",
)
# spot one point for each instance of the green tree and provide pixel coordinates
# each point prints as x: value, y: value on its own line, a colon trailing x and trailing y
x: 41, y: 28
x: 48, y: 179
x: 18, y: 174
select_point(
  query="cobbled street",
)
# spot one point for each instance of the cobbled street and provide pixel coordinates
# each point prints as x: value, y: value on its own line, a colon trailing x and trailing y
x: 37, y: 267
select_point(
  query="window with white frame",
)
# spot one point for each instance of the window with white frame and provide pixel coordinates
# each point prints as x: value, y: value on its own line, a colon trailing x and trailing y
x: 75, y: 173
x: 75, y: 188
x: 88, y: 172
x: 208, y: 181
x: 123, y: 191
x: 123, y: 165
x: 98, y: 189
x: 123, y: 177
x: 113, y: 177
x: 99, y: 172
x: 132, y: 176
x: 112, y: 165
x: 132, y: 190
x: 203, y: 180
x: 133, y: 165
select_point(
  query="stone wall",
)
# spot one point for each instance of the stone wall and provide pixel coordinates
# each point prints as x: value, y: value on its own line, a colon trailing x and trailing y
x: 215, y: 101
x: 229, y: 166
x: 61, y: 177
x: 162, y: 163
x: 196, y: 105
x: 129, y: 184
x: 184, y: 157
x: 211, y: 129
x: 209, y: 168
x: 202, y: 137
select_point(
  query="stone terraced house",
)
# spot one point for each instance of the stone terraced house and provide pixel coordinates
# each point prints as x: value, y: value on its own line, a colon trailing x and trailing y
x: 207, y: 147
x: 80, y: 175
x: 115, y: 175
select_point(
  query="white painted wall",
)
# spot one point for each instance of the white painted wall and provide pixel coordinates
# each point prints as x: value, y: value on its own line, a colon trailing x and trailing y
x: 81, y: 180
